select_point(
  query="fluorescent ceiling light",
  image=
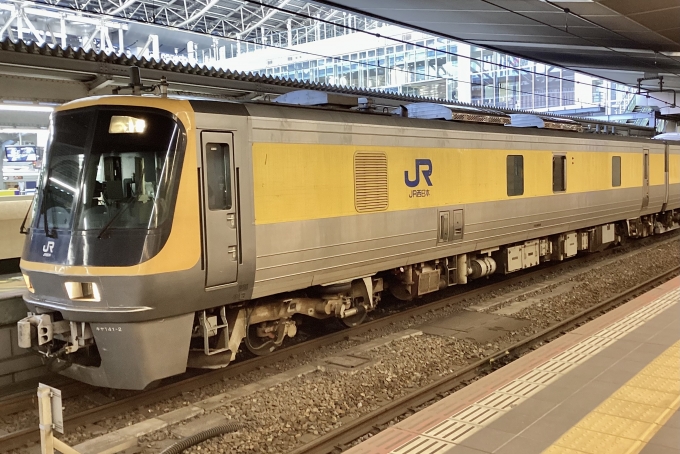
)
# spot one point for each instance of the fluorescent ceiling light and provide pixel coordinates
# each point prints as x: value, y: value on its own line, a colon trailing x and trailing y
x: 25, y: 108
x: 21, y: 130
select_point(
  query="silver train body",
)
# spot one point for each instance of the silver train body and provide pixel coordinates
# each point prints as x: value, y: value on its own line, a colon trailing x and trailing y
x: 253, y: 217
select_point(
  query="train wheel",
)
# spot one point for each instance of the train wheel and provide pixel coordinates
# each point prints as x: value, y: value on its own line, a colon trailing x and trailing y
x: 361, y: 300
x: 258, y: 345
x: 355, y: 319
x: 400, y: 292
x: 265, y: 337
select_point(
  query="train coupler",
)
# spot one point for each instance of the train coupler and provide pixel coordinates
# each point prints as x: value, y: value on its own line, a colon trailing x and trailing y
x: 42, y: 332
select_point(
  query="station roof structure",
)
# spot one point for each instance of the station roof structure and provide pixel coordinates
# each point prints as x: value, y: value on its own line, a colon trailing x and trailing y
x: 248, y: 20
x: 614, y: 39
x: 621, y: 40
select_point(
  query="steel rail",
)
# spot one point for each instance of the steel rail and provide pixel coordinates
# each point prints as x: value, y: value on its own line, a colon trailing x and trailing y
x: 338, y: 439
x: 19, y: 438
x: 27, y: 399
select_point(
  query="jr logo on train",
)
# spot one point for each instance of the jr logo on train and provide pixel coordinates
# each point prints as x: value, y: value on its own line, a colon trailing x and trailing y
x: 423, y: 166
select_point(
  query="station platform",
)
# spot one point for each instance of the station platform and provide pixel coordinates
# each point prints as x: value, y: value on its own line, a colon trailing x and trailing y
x: 11, y: 285
x: 12, y: 308
x: 610, y: 386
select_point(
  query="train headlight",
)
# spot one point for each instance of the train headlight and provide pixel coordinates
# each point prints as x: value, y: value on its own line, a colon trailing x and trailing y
x: 123, y: 124
x: 83, y: 291
x: 29, y: 286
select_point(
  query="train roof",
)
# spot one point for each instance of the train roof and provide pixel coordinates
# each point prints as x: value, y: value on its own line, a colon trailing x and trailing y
x: 483, y: 120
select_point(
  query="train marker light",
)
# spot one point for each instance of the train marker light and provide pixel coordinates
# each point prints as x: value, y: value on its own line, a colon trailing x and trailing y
x: 123, y: 124
x: 83, y: 291
x: 29, y: 286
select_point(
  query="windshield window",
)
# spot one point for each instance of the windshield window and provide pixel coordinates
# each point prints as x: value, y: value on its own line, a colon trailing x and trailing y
x: 65, y: 159
x: 109, y: 168
x: 129, y: 180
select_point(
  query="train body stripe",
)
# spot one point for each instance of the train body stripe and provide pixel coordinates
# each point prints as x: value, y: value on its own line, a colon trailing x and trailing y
x: 298, y: 182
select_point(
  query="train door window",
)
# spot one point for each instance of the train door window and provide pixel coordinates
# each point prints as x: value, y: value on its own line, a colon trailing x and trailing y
x: 444, y: 226
x: 218, y: 173
x: 646, y: 165
x: 559, y: 173
x: 616, y: 171
x: 515, y: 167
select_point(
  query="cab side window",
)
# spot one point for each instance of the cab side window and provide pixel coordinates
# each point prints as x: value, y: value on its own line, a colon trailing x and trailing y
x: 616, y: 171
x: 218, y: 173
x: 559, y: 173
x: 515, y: 173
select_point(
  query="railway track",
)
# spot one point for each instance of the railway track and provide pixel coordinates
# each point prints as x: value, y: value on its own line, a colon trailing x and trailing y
x: 19, y: 438
x: 339, y: 439
x: 26, y: 400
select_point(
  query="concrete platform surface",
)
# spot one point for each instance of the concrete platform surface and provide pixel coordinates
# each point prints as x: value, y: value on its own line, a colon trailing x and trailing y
x: 610, y: 386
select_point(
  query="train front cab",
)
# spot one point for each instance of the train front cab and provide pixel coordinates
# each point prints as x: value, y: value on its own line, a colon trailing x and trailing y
x: 113, y: 254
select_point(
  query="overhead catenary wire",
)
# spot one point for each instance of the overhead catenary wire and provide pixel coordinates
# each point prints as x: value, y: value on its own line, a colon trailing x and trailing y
x: 545, y: 96
x: 348, y: 27
x: 356, y: 29
x: 568, y: 12
x: 373, y: 65
x: 378, y: 35
x: 401, y: 41
x: 585, y: 19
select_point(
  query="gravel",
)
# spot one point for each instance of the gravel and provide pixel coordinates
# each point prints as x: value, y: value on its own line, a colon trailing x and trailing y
x: 288, y: 415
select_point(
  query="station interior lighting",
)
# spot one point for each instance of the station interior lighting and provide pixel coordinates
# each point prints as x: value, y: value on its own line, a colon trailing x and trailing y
x: 25, y: 108
x: 22, y: 130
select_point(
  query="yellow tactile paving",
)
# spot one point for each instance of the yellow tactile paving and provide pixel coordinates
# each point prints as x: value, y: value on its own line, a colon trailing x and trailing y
x: 669, y: 361
x: 656, y: 383
x: 645, y: 396
x: 672, y: 373
x: 629, y: 418
x: 614, y: 425
x: 621, y: 408
x: 592, y: 442
x: 560, y: 450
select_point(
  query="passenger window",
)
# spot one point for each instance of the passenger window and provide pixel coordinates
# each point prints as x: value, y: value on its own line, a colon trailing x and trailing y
x: 616, y: 171
x: 218, y: 175
x: 559, y: 173
x: 515, y: 175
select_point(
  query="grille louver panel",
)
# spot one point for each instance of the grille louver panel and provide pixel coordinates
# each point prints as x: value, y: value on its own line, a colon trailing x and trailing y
x: 370, y: 182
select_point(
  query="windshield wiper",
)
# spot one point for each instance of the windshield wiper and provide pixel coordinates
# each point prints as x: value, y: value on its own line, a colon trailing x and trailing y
x: 132, y: 200
x: 43, y: 210
x: 23, y: 230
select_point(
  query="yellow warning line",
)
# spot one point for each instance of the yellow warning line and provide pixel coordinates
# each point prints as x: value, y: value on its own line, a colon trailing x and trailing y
x: 629, y: 418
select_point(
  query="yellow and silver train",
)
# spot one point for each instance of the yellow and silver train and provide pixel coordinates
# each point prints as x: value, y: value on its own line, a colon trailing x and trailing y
x: 168, y: 233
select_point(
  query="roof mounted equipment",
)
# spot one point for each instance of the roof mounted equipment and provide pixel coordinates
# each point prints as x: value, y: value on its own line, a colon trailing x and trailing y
x: 425, y: 110
x: 317, y: 98
x: 137, y: 87
x: 525, y: 121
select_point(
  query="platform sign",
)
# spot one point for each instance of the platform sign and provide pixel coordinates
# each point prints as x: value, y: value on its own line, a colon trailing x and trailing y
x: 55, y: 404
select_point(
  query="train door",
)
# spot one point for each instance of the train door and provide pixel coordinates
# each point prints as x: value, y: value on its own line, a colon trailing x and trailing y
x: 645, y: 178
x: 219, y: 208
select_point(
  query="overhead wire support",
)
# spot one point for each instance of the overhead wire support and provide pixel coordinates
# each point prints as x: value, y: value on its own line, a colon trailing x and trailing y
x: 348, y: 26
x: 660, y: 90
x: 420, y: 46
x: 567, y: 11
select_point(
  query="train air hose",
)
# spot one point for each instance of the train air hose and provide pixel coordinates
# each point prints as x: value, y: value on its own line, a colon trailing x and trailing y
x: 188, y: 442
